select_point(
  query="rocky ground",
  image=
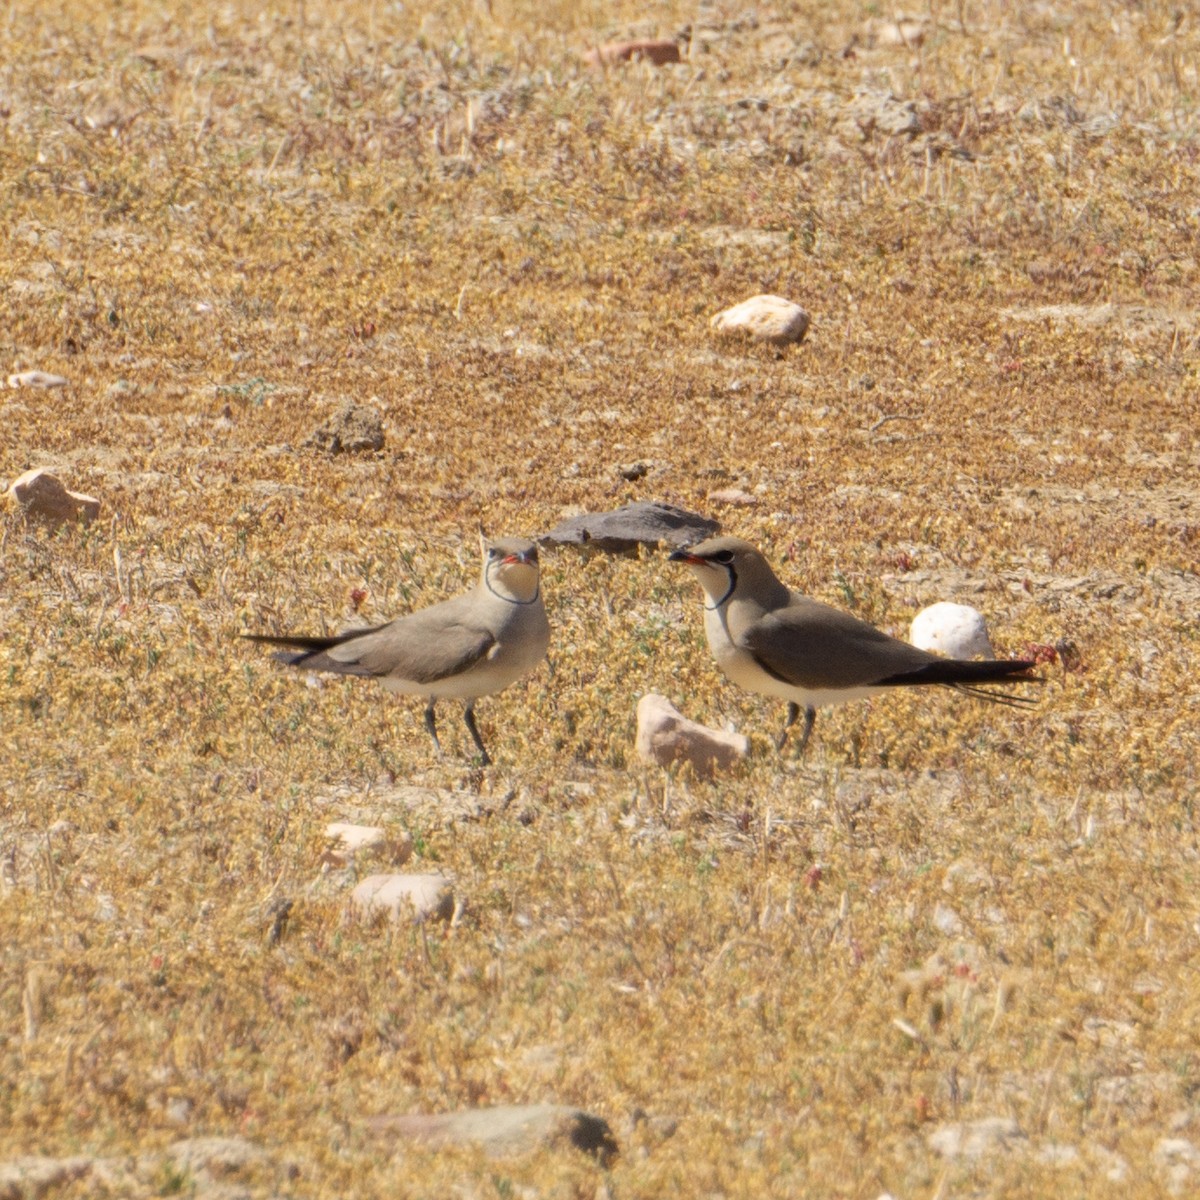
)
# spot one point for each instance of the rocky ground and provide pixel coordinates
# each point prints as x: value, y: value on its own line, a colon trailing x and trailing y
x: 295, y: 302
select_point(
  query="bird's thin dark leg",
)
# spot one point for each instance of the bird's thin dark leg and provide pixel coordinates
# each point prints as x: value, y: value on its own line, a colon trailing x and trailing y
x: 810, y: 715
x: 469, y: 717
x: 431, y: 727
x: 793, y: 711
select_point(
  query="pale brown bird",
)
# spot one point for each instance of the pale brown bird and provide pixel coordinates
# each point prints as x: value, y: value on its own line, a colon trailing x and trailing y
x: 463, y: 648
x: 776, y: 642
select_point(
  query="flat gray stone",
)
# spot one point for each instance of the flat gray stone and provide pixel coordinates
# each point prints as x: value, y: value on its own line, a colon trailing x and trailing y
x: 645, y: 523
x: 505, y: 1130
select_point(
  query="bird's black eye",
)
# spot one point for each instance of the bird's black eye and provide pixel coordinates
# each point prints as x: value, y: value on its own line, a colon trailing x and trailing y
x: 492, y: 552
x: 724, y: 557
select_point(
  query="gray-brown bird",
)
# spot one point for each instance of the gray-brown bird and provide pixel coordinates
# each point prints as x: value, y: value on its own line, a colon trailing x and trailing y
x: 463, y: 648
x: 779, y: 643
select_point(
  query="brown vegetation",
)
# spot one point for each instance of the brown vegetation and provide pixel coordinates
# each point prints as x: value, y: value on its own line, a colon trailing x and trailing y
x: 221, y: 222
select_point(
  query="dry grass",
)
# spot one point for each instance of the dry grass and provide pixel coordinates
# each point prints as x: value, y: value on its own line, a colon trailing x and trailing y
x: 219, y: 221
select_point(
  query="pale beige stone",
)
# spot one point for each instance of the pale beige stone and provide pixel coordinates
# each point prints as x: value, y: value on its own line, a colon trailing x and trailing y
x: 975, y: 1139
x: 42, y: 495
x: 897, y: 31
x: 505, y: 1130
x: 735, y: 497
x: 38, y: 1175
x: 764, y: 318
x: 665, y: 736
x: 419, y: 897
x: 349, y: 842
x: 214, y: 1157
x: 1177, y: 1160
x: 36, y: 379
x: 658, y: 51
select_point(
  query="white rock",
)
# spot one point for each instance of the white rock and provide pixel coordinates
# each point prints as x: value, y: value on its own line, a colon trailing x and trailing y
x: 349, y: 842
x: 39, y: 379
x: 957, y: 630
x: 666, y: 736
x: 421, y: 897
x: 765, y: 318
x: 40, y: 494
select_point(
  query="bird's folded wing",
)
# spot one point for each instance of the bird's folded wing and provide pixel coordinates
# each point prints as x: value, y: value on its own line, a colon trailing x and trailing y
x: 814, y: 646
x: 415, y: 648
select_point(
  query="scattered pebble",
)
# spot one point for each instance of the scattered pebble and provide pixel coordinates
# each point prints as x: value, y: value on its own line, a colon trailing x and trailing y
x: 665, y: 736
x: 764, y: 318
x: 36, y: 1175
x: 353, y: 428
x: 41, y: 495
x: 505, y: 1130
x: 421, y: 897
x: 898, y: 31
x: 957, y: 630
x: 179, y: 1110
x: 211, y: 1166
x: 733, y: 496
x: 1178, y: 1160
x: 658, y: 51
x: 946, y: 921
x: 633, y: 471
x: 214, y: 1157
x: 974, y: 1139
x: 353, y: 841
x: 1058, y: 1154
x: 37, y: 379
x: 964, y: 874
x: 875, y: 112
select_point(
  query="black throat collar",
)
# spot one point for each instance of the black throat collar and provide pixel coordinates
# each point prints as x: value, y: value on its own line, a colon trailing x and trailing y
x: 487, y: 579
x: 728, y: 590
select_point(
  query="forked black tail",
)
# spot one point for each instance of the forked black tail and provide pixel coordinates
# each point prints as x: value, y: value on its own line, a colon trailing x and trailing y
x: 965, y: 675
x: 310, y: 650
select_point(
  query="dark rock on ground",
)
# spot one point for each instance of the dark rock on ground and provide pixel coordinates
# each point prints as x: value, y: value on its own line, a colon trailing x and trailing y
x: 646, y: 523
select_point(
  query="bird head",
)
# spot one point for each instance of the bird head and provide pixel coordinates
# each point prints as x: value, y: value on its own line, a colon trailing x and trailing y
x: 723, y: 566
x: 510, y: 569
